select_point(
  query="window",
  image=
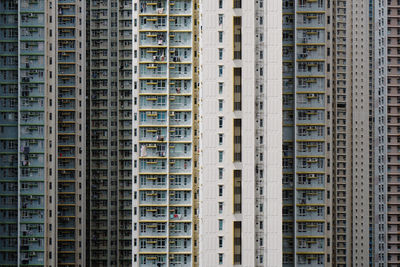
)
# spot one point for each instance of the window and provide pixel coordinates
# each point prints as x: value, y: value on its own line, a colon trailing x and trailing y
x: 220, y: 19
x: 220, y: 156
x: 220, y: 139
x: 220, y: 241
x: 237, y: 3
x: 220, y: 53
x: 237, y: 37
x: 237, y: 242
x: 221, y: 3
x: 220, y: 122
x: 220, y: 104
x: 220, y: 36
x: 220, y: 173
x: 220, y: 88
x: 237, y: 191
x: 220, y: 224
x: 221, y: 258
x: 220, y: 70
x: 220, y: 207
x: 220, y: 190
x: 237, y: 140
x: 237, y: 89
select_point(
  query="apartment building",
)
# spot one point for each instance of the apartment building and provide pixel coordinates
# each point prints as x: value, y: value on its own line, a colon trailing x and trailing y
x: 327, y: 147
x: 240, y: 133
x: 42, y: 133
x: 165, y: 133
x: 109, y: 132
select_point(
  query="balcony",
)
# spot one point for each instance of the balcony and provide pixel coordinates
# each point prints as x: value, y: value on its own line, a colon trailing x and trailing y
x: 180, y: 245
x: 32, y: 117
x: 158, y: 7
x: 32, y: 160
x: 180, y: 229
x: 310, y: 68
x: 66, y: 33
x: 309, y: 52
x: 66, y: 164
x: 153, y: 118
x: 311, y: 5
x: 180, y: 7
x: 30, y: 132
x: 178, y: 87
x: 66, y: 57
x: 153, y: 70
x: 149, y: 260
x: 152, y: 102
x: 34, y: 258
x: 153, y: 213
x: 180, y: 102
x: 152, y: 134
x: 153, y: 38
x: 32, y: 5
x: 66, y: 10
x: 180, y: 166
x: 66, y: 128
x: 152, y: 229
x: 32, y: 76
x: 310, y: 197
x: 310, y: 212
x: 32, y: 244
x: 177, y: 214
x: 310, y: 116
x: 153, y: 23
x: 66, y: 104
x: 153, y: 245
x: 180, y: 55
x: 310, y: 20
x: 310, y: 244
x: 151, y: 150
x: 311, y: 229
x: 31, y: 230
x: 153, y: 86
x: 67, y: 70
x: 180, y: 182
x: 32, y: 216
x: 180, y: 71
x: 32, y: 19
x: 180, y: 150
x: 180, y: 39
x: 153, y: 182
x: 311, y: 36
x: 156, y: 55
x: 32, y: 33
x: 180, y: 118
x: 32, y: 173
x: 310, y: 84
x: 180, y: 23
x: 153, y: 197
x: 66, y: 199
x: 66, y: 80
x: 180, y: 197
x: 65, y: 140
x: 153, y: 166
x: 180, y: 134
x: 310, y: 164
x: 64, y: 211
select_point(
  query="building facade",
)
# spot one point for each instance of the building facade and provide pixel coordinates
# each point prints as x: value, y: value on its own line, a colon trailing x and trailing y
x: 165, y: 133
x: 328, y: 160
x: 42, y: 133
x: 240, y: 133
x: 109, y: 132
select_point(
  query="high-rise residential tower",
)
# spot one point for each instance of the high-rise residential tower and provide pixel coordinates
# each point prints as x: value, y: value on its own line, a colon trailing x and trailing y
x: 42, y: 133
x: 240, y: 133
x: 165, y: 133
x: 328, y: 143
x: 109, y: 132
